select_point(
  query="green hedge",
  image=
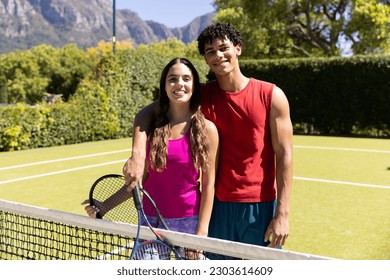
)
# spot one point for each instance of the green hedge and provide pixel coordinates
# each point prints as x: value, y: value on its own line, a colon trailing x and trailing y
x: 338, y: 96
x: 103, y: 106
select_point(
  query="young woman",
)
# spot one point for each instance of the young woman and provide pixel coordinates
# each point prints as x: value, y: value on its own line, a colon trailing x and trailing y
x: 182, y: 151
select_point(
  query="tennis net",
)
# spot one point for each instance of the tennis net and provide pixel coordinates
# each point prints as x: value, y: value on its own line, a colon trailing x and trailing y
x: 29, y: 232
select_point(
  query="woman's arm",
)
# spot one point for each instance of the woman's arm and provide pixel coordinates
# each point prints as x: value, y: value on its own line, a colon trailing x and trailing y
x: 208, y: 181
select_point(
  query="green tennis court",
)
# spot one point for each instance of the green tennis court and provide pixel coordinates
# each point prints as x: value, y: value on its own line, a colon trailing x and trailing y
x: 340, y: 201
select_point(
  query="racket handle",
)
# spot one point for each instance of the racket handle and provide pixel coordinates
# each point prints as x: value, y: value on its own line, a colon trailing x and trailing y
x: 137, y: 198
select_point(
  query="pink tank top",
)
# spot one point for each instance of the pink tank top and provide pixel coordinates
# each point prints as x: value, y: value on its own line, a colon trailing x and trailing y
x: 176, y: 189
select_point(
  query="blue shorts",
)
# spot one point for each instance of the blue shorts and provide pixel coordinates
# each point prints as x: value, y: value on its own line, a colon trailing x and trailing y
x: 240, y: 222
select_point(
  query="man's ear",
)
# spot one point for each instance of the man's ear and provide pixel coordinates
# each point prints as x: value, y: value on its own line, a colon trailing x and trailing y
x: 238, y: 49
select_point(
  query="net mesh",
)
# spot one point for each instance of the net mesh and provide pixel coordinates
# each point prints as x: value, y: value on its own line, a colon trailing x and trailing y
x: 33, y: 233
x: 24, y: 237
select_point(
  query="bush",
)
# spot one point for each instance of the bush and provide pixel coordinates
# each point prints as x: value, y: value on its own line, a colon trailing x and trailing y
x: 27, y: 76
x: 102, y: 106
x: 337, y: 96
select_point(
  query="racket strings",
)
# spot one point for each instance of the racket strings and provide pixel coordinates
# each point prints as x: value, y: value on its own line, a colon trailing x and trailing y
x: 153, y: 250
x: 151, y: 213
x: 103, y: 190
x: 124, y: 210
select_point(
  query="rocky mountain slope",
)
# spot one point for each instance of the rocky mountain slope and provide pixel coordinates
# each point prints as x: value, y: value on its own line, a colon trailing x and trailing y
x: 26, y: 23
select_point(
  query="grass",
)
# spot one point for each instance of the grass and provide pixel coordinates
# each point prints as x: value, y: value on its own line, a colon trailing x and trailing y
x: 327, y: 218
x: 340, y: 220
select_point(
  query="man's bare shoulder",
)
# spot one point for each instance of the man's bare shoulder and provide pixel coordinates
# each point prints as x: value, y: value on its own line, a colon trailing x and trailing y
x: 280, y: 104
x: 150, y: 109
x: 278, y: 95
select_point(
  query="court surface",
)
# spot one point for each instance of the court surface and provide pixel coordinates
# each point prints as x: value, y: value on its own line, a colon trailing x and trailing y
x: 340, y: 201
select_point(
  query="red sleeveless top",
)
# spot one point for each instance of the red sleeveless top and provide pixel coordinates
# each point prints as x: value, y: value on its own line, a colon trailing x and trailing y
x: 246, y: 169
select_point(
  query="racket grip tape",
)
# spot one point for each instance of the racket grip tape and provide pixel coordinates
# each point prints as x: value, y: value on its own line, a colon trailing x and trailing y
x: 137, y: 198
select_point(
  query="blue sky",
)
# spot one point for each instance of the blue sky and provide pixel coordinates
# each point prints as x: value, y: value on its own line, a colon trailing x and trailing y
x: 172, y: 13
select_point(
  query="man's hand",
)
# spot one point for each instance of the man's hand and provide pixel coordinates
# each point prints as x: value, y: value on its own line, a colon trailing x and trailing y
x: 278, y: 229
x: 133, y: 171
x: 134, y: 168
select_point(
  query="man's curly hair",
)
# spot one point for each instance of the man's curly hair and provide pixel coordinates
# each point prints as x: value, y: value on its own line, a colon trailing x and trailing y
x: 218, y: 30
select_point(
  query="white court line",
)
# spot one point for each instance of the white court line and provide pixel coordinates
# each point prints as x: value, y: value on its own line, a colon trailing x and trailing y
x: 343, y: 149
x: 61, y: 171
x: 63, y: 159
x: 341, y: 182
x: 116, y: 251
x: 118, y: 161
x: 127, y: 150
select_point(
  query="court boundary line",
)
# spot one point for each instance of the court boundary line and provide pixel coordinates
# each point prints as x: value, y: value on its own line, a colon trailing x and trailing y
x: 342, y: 149
x: 124, y: 160
x: 61, y: 171
x: 128, y: 150
x: 341, y: 182
x: 63, y: 159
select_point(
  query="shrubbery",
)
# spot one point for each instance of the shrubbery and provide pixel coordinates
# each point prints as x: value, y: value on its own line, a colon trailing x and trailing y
x: 103, y: 92
x: 102, y: 107
x: 27, y: 76
x: 337, y: 96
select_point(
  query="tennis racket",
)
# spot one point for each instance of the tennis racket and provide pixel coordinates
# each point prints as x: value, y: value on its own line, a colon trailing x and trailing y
x: 157, y: 249
x: 109, y: 194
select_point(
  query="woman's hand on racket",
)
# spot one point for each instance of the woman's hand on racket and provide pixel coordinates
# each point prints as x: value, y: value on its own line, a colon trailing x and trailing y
x: 92, y: 210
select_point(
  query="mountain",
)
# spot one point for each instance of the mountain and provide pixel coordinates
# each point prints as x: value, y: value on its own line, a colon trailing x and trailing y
x: 27, y: 23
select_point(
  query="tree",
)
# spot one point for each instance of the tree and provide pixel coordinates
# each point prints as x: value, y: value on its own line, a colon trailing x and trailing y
x: 369, y: 27
x: 171, y: 48
x: 73, y: 67
x: 285, y: 28
x: 28, y: 76
x: 105, y: 49
x: 21, y: 78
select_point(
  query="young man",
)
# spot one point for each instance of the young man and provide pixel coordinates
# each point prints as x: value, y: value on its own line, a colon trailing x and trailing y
x: 254, y: 176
